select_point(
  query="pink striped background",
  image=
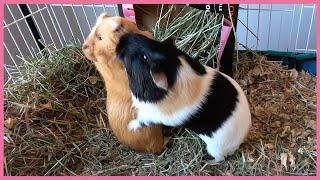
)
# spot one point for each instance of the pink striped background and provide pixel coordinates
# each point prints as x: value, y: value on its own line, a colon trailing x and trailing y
x: 150, y: 2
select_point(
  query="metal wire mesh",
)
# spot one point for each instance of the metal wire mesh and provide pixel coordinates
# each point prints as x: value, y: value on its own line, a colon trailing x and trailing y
x: 58, y: 25
x: 279, y: 27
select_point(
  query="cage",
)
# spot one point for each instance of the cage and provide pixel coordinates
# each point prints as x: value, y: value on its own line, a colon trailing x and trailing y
x: 283, y: 139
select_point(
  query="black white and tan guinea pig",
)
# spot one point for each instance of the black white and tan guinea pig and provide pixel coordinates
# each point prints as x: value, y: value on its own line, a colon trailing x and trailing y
x: 170, y: 88
x: 100, y: 47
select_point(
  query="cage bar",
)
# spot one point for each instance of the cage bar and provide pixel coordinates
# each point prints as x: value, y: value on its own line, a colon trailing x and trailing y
x: 54, y: 26
x: 280, y: 30
x: 257, y: 45
x: 25, y: 17
x: 115, y: 10
x: 85, y: 15
x: 269, y: 30
x: 55, y: 17
x: 45, y: 24
x: 14, y: 41
x: 34, y: 39
x: 310, y: 26
x: 18, y: 26
x: 37, y: 25
x: 10, y: 55
x: 65, y: 16
x: 291, y: 29
x: 77, y: 20
x: 296, y: 44
x: 247, y: 25
x: 94, y: 10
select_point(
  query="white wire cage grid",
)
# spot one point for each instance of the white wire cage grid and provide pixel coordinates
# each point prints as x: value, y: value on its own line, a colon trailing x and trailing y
x: 277, y: 27
x: 58, y: 26
x: 287, y: 27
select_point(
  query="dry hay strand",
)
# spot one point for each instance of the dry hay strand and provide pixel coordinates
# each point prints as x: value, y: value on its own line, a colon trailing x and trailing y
x: 55, y: 124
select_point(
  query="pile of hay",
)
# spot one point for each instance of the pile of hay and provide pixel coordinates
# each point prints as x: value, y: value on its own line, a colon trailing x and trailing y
x: 196, y: 32
x: 52, y: 109
x: 55, y: 124
x: 282, y: 140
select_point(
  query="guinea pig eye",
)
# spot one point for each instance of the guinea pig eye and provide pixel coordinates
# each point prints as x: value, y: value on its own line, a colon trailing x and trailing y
x: 100, y: 38
x: 144, y: 58
x: 118, y: 28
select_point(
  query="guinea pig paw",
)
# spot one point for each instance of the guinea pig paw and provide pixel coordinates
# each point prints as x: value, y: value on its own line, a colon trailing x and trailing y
x: 217, y: 160
x: 134, y: 125
x: 213, y: 162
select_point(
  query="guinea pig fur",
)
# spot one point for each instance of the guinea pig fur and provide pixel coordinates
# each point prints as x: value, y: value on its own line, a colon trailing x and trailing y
x: 170, y: 88
x: 99, y: 47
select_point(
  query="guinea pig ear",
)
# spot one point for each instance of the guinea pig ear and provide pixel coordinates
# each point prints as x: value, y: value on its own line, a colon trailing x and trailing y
x: 119, y: 54
x: 120, y: 51
x: 105, y: 14
x: 159, y: 77
x: 147, y: 34
x: 169, y: 41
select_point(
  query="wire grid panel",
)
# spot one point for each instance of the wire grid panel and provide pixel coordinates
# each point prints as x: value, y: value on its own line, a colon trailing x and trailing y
x: 279, y: 27
x: 57, y: 25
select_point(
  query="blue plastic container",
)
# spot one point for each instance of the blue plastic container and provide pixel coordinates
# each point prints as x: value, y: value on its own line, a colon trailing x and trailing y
x: 299, y: 61
x: 309, y: 66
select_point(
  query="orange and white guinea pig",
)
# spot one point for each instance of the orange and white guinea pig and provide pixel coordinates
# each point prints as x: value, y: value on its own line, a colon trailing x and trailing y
x: 99, y: 47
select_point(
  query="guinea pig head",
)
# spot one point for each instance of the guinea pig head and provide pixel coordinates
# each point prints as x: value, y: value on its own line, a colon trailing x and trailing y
x: 101, y: 42
x: 151, y: 66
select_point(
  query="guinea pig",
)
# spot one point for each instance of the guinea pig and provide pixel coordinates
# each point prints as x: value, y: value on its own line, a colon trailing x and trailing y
x: 171, y: 88
x: 99, y: 47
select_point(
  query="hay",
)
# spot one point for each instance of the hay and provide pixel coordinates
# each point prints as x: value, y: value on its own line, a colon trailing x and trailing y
x: 55, y: 124
x: 283, y: 106
x: 195, y: 32
x: 51, y: 109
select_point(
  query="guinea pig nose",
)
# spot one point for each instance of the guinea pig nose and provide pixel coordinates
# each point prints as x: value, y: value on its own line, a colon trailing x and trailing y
x: 85, y: 46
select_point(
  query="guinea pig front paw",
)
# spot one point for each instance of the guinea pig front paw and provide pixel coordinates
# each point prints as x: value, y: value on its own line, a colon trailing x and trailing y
x: 213, y: 162
x: 217, y: 160
x: 134, y: 125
